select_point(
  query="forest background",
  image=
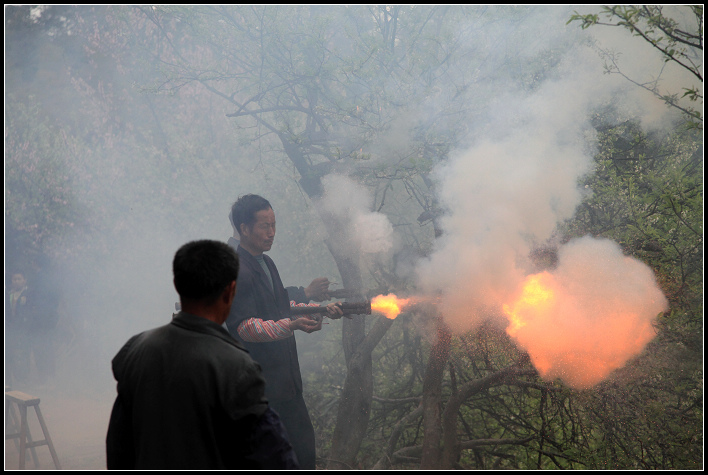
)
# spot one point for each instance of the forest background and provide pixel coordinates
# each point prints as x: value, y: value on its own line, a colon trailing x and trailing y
x: 390, y: 140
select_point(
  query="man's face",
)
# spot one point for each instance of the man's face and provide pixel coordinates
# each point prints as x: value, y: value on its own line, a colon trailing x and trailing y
x: 18, y: 281
x: 258, y: 238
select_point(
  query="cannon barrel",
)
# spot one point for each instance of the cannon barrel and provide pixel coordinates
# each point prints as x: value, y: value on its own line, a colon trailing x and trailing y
x: 348, y: 308
x: 344, y: 293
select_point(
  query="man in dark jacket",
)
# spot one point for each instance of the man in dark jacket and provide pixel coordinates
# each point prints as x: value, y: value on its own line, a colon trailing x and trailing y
x: 260, y: 317
x: 189, y: 395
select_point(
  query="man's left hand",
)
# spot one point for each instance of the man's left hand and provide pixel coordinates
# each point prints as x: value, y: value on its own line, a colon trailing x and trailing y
x: 318, y: 289
x: 334, y: 310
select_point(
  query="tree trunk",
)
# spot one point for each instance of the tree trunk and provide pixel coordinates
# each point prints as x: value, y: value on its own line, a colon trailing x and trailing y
x: 451, y: 444
x: 352, y: 413
x: 355, y: 401
x: 432, y: 396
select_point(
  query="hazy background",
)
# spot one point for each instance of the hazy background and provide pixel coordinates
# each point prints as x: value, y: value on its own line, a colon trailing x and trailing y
x: 505, y: 187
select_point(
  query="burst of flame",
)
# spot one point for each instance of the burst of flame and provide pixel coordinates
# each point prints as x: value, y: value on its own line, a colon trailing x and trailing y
x: 389, y: 305
x: 536, y: 293
x: 574, y: 331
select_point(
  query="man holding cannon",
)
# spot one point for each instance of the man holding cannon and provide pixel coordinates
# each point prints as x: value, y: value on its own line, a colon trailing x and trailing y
x: 261, y: 318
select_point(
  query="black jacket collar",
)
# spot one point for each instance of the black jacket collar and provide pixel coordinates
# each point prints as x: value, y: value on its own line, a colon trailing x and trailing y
x: 198, y: 324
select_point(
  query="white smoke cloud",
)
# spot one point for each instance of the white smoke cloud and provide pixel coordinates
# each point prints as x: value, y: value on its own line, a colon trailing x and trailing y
x: 362, y: 230
x: 513, y: 185
x: 509, y: 190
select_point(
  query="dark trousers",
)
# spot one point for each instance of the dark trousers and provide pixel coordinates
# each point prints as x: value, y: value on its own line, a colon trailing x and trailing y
x: 43, y: 349
x: 293, y: 413
x: 17, y: 355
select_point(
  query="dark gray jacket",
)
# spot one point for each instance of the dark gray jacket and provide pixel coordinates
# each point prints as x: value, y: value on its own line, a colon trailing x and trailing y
x: 255, y: 299
x: 190, y: 397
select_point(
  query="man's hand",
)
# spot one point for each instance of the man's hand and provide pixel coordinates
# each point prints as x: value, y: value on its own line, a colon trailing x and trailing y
x: 307, y: 323
x: 318, y: 289
x: 334, y: 311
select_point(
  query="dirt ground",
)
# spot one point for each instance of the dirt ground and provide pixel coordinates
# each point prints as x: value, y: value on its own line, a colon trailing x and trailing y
x: 76, y: 405
x: 76, y: 421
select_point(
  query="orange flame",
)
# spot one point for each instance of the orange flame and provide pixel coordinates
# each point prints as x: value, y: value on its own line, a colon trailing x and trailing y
x: 533, y: 295
x: 389, y: 305
x: 573, y: 334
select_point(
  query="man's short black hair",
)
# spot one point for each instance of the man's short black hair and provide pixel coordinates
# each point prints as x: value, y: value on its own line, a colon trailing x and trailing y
x: 203, y: 269
x: 244, y: 210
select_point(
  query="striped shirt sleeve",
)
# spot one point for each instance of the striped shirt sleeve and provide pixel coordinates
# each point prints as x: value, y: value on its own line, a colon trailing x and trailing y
x: 256, y: 330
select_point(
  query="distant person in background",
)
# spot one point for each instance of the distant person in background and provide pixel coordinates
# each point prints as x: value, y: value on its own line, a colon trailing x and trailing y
x: 189, y: 395
x: 260, y: 317
x: 17, y: 317
x: 44, y: 315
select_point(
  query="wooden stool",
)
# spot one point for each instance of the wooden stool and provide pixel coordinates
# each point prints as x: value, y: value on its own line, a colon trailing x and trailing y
x: 23, y: 400
x: 12, y: 427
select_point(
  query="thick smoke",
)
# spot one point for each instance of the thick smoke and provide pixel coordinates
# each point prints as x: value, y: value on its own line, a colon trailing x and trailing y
x: 361, y: 230
x: 508, y: 192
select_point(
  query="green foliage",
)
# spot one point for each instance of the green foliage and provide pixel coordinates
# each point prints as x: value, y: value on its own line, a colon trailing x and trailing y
x: 41, y: 206
x: 678, y: 37
x: 647, y: 195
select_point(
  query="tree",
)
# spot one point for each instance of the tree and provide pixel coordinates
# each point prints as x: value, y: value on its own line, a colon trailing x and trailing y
x: 648, y: 196
x: 326, y: 87
x: 679, y: 39
x: 40, y: 205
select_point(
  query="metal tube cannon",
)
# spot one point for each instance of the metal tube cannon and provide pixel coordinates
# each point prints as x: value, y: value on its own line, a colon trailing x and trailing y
x: 348, y: 308
x: 344, y: 293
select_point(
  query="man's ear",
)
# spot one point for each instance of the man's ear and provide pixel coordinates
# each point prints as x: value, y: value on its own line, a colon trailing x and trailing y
x: 229, y: 292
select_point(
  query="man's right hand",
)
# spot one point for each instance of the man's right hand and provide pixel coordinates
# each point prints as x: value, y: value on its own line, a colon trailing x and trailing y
x: 334, y: 310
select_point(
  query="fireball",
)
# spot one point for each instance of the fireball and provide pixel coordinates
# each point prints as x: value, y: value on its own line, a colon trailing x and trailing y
x: 579, y: 325
x: 536, y: 295
x: 389, y: 305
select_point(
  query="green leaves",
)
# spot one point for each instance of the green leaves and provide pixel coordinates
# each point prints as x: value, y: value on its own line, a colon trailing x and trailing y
x: 680, y: 46
x: 648, y: 196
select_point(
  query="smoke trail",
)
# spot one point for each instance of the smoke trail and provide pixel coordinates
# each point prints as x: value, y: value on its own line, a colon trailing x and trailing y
x: 513, y: 186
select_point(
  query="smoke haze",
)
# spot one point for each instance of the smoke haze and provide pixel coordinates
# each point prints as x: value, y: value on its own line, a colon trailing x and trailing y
x: 504, y: 191
x: 362, y: 230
